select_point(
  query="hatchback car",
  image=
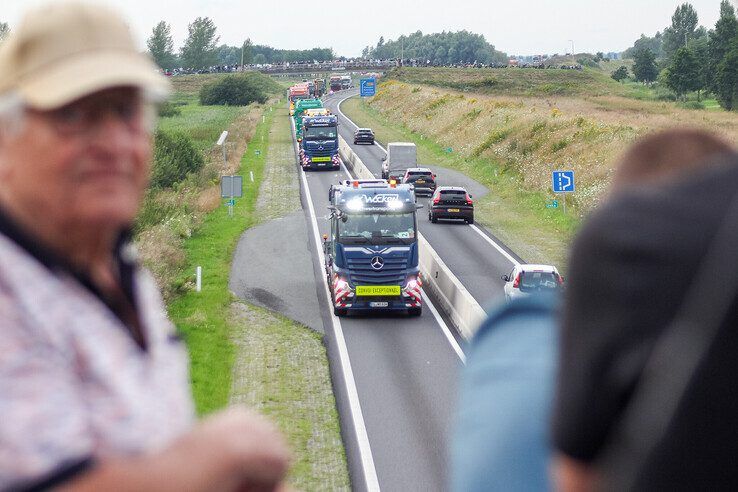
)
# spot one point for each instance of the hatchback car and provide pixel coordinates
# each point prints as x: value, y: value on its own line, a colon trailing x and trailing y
x: 451, y: 202
x: 422, y: 179
x: 364, y: 135
x: 526, y: 280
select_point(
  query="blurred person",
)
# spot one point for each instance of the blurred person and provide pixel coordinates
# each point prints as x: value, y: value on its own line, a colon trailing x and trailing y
x: 94, y: 386
x: 501, y: 439
x: 634, y: 410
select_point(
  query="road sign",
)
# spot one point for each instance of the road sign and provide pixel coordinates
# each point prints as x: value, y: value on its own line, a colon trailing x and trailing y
x: 563, y: 181
x: 552, y: 204
x: 231, y: 186
x: 367, y: 87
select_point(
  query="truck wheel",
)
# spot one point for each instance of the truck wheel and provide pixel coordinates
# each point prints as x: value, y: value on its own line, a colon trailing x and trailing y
x: 339, y: 311
x: 414, y: 312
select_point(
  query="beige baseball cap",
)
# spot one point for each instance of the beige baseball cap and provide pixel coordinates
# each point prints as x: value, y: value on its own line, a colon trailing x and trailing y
x: 64, y: 51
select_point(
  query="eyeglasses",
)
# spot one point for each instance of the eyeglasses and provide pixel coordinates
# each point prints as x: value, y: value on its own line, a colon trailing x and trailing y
x: 85, y: 117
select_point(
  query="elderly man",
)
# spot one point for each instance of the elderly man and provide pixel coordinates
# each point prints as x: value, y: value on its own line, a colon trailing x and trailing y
x: 94, y: 390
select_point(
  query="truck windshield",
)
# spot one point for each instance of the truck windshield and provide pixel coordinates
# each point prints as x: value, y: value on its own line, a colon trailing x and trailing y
x: 383, y: 228
x: 319, y: 132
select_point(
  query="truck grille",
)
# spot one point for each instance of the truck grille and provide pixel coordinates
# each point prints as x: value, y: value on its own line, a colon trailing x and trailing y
x: 362, y: 273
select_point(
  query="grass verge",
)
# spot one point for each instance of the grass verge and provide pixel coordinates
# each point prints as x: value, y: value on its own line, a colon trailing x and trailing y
x: 518, y: 217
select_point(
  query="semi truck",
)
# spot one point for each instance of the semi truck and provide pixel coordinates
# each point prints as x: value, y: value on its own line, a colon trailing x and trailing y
x: 319, y: 143
x: 345, y: 81
x: 371, y: 254
x: 299, y: 110
x: 400, y: 157
x: 335, y: 82
x: 319, y: 87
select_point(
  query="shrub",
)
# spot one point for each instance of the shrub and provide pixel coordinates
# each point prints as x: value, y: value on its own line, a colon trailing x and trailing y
x: 174, y: 158
x: 233, y: 90
x: 693, y: 105
x: 561, y: 144
x: 168, y: 109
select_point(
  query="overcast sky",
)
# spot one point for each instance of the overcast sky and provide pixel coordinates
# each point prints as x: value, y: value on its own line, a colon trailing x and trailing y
x: 522, y: 27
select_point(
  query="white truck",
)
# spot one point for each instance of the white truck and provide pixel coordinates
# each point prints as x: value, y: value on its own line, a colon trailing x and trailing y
x: 400, y: 156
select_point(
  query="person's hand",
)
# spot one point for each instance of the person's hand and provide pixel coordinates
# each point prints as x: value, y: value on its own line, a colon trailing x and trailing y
x: 251, y: 453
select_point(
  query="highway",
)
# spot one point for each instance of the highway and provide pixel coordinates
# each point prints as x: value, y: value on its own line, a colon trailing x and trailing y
x: 400, y: 373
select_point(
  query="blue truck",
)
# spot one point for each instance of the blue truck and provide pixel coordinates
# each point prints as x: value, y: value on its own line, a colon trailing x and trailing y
x: 371, y: 254
x: 319, y: 143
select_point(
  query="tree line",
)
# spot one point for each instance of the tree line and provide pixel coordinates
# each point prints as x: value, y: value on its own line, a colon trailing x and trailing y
x: 688, y: 58
x: 201, y: 49
x: 444, y: 48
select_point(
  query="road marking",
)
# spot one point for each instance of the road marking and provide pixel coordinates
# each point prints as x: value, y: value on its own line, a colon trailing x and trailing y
x: 444, y: 327
x: 495, y: 245
x: 454, y: 344
x: 362, y: 437
x: 475, y: 228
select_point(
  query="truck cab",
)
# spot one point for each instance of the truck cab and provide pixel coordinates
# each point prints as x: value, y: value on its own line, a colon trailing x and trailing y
x: 371, y: 254
x: 319, y: 143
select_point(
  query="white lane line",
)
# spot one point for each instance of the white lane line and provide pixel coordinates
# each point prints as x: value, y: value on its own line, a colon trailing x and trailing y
x: 495, y: 245
x: 362, y: 437
x: 475, y: 228
x: 444, y: 327
x: 454, y: 344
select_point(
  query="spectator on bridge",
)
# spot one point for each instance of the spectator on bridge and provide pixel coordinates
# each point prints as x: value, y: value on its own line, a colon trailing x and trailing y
x: 644, y: 398
x: 94, y: 386
x: 501, y: 438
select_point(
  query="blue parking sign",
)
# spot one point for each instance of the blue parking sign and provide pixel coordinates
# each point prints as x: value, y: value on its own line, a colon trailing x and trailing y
x: 563, y: 181
x: 367, y: 87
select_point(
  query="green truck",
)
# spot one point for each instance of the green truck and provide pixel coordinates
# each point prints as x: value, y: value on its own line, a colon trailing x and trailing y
x: 300, y: 107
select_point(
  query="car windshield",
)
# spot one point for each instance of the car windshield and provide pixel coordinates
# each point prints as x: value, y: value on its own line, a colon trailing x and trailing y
x: 453, y: 194
x: 538, y: 281
x: 382, y: 228
x: 319, y: 132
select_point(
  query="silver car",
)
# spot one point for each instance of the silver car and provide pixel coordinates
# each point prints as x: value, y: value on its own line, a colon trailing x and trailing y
x: 525, y: 280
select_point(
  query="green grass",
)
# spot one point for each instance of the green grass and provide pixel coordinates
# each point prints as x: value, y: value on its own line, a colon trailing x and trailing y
x: 517, y: 216
x: 202, y: 317
x: 203, y: 124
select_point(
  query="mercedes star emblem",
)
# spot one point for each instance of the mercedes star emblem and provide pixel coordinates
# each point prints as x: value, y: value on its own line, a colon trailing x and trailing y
x: 377, y: 263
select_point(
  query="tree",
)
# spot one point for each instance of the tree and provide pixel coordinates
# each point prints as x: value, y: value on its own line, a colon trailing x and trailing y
x: 620, y: 74
x: 699, y: 48
x: 683, y: 28
x: 161, y: 46
x: 247, y: 53
x: 726, y: 29
x: 655, y: 44
x: 260, y: 59
x: 644, y: 66
x: 683, y: 73
x: 200, y: 48
x: 727, y: 78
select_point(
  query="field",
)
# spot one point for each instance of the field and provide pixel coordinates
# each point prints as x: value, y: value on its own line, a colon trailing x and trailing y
x: 512, y: 134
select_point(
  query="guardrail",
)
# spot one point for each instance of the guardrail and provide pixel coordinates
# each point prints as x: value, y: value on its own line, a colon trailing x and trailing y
x: 463, y: 310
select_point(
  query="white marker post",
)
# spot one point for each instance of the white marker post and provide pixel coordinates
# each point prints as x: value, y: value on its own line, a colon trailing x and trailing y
x: 198, y: 279
x: 221, y: 142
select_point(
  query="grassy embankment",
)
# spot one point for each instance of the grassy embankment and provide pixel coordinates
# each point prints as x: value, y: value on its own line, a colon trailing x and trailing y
x: 510, y: 128
x: 285, y: 374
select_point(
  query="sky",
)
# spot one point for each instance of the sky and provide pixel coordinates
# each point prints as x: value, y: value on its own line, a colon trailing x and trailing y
x: 520, y: 27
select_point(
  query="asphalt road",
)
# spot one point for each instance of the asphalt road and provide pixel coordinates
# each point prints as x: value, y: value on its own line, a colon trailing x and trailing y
x: 405, y: 369
x: 467, y: 250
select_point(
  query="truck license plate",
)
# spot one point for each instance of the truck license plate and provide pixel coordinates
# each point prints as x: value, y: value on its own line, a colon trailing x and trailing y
x: 453, y: 209
x: 378, y: 304
x: 321, y: 159
x: 377, y: 290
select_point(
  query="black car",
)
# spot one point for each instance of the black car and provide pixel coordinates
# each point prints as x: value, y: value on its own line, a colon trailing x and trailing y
x: 422, y: 179
x: 364, y: 135
x: 451, y: 202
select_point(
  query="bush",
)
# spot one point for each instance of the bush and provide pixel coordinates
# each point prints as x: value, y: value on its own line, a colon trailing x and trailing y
x: 693, y: 105
x: 174, y: 158
x: 233, y: 90
x: 168, y: 109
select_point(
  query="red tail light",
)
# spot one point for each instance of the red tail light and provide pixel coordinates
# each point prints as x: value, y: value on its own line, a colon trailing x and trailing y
x: 560, y: 279
x: 468, y: 200
x: 436, y: 200
x: 516, y: 283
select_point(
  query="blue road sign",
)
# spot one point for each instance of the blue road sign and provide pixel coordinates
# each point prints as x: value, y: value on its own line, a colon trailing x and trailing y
x: 563, y: 181
x: 367, y: 87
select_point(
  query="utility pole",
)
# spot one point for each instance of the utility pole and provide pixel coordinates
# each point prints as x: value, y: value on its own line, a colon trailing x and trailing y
x: 572, y: 46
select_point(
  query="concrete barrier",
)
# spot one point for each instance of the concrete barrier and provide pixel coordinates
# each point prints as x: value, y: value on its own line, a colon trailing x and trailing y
x: 463, y: 310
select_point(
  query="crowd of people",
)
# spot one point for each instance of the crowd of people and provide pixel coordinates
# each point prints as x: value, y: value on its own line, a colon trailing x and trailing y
x: 624, y: 384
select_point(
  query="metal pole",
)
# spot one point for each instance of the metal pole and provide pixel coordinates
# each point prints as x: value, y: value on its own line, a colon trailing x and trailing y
x: 230, y: 201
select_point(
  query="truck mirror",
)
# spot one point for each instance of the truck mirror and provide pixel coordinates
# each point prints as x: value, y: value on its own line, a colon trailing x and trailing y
x: 505, y: 278
x: 344, y: 218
